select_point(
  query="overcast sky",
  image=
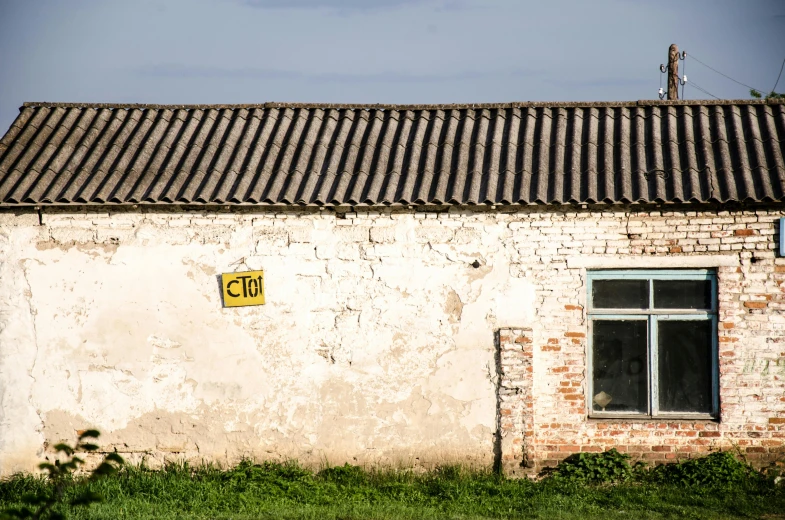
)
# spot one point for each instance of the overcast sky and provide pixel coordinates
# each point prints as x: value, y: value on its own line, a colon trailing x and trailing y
x: 378, y: 51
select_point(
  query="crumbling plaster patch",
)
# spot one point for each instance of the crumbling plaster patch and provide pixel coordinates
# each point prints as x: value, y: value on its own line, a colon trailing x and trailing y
x: 367, y: 350
x: 20, y: 424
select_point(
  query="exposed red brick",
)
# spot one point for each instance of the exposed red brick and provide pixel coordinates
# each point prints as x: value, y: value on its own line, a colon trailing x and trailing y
x: 751, y: 383
x: 653, y: 456
x: 523, y: 339
x: 744, y: 232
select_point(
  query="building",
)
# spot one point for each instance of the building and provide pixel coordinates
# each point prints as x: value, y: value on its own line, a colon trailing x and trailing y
x: 487, y: 284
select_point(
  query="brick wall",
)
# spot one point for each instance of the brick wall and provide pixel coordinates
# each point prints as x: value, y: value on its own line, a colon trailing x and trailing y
x: 516, y: 450
x: 751, y: 335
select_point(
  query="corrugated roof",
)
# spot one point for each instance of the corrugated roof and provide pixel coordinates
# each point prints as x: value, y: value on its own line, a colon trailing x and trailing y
x: 510, y: 153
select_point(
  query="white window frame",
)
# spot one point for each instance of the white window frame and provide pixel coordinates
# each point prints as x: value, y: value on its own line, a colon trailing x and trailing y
x: 653, y: 317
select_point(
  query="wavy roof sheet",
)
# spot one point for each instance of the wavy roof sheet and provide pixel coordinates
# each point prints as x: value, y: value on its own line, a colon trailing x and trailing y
x: 513, y: 153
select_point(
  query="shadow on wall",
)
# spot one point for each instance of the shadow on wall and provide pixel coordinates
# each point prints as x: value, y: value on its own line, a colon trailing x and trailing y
x: 497, y: 437
x: 514, y: 408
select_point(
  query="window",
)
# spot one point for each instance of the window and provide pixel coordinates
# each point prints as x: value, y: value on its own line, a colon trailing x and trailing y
x: 653, y: 343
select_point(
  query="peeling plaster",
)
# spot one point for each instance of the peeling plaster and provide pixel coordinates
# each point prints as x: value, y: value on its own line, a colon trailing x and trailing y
x: 369, y: 351
x: 20, y: 422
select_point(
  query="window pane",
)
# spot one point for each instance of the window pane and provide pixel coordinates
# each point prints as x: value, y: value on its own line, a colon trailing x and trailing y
x: 684, y: 352
x: 620, y: 294
x: 619, y: 366
x: 682, y: 294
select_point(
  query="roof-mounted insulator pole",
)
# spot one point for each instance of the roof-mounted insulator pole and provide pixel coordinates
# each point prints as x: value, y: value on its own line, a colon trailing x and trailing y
x: 673, y: 72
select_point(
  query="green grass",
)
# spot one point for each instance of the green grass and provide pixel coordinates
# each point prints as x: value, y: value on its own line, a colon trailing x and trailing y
x: 288, y: 491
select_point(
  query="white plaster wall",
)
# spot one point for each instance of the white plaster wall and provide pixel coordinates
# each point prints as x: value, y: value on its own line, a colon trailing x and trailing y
x: 377, y: 341
x: 375, y: 345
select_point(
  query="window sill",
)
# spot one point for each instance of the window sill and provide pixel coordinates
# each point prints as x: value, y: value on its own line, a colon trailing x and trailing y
x: 657, y: 418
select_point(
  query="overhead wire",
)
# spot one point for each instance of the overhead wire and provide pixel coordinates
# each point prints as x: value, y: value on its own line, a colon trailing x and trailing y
x: 725, y: 75
x: 684, y: 75
x: 692, y: 83
x: 778, y: 77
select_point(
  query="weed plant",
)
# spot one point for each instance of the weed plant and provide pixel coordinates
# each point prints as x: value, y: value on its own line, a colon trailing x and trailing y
x: 601, y: 485
x: 52, y: 497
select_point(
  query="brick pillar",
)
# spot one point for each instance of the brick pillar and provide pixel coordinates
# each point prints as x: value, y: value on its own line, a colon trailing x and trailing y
x: 514, y: 400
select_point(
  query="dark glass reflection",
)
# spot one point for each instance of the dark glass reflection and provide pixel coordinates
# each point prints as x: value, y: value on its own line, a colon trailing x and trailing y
x: 682, y: 294
x: 619, y: 366
x: 620, y: 294
x: 684, y: 353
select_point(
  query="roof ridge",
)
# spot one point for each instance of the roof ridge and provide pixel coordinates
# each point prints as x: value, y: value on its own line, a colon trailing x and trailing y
x: 386, y: 106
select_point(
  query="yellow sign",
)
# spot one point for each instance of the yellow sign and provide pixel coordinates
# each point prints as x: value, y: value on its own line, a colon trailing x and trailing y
x: 243, y: 289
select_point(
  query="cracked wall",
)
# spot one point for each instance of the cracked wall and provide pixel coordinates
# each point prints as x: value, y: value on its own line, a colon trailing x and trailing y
x: 376, y: 345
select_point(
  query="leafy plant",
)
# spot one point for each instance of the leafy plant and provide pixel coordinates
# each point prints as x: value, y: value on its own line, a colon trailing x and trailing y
x: 595, y: 468
x: 716, y: 469
x: 771, y: 95
x: 64, y: 489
